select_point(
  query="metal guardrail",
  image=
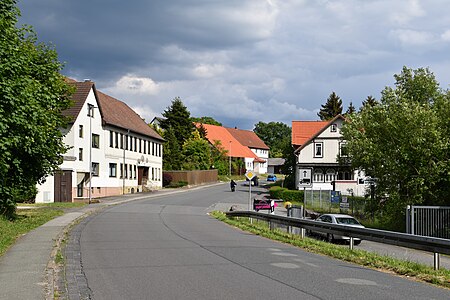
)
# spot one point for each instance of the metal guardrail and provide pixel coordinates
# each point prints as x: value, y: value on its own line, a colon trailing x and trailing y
x: 424, y: 243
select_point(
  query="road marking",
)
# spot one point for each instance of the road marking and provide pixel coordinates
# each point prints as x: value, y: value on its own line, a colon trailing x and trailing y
x: 285, y: 265
x: 356, y: 281
x: 283, y: 254
x: 306, y: 263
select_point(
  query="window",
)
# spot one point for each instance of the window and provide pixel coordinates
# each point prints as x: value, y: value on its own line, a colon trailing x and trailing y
x: 80, y: 154
x: 111, y: 138
x: 121, y: 141
x: 121, y: 170
x: 140, y: 145
x: 80, y: 131
x: 318, y: 149
x: 95, y: 141
x: 131, y: 171
x: 90, y: 110
x: 333, y: 128
x: 126, y: 171
x: 112, y: 170
x: 135, y: 171
x: 343, y: 150
x: 117, y: 140
x: 318, y: 176
x: 135, y: 144
x: 95, y: 169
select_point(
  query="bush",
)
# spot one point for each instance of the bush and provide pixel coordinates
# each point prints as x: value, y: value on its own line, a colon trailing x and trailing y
x: 167, y: 179
x: 177, y: 184
x: 276, y: 192
x: 292, y: 195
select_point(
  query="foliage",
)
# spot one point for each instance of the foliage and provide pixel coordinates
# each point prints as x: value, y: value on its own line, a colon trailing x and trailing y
x: 289, y: 165
x: 369, y: 102
x: 292, y: 196
x: 276, y: 192
x: 206, y: 120
x: 273, y: 134
x: 373, y: 260
x: 331, y: 108
x: 350, y: 110
x: 219, y: 158
x: 167, y: 179
x: 32, y: 96
x: 177, y: 184
x: 173, y: 155
x: 404, y: 142
x: 178, y: 128
x: 198, y: 152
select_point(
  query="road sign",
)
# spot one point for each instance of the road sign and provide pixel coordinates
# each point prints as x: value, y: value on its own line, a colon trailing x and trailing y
x: 249, y: 175
x: 304, y: 176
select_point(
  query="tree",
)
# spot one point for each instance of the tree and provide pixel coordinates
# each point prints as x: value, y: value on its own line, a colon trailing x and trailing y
x: 33, y: 94
x: 331, y: 108
x: 369, y: 102
x: 198, y: 151
x: 404, y: 143
x: 350, y: 110
x: 273, y: 135
x: 288, y: 168
x: 219, y: 158
x: 178, y: 128
x: 206, y: 120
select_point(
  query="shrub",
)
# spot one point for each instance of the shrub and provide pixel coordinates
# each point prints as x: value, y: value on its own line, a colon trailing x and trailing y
x: 177, y: 184
x: 167, y: 179
x: 292, y: 195
x: 276, y: 192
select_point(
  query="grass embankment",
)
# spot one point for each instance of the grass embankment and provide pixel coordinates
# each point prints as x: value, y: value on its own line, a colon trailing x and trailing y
x: 360, y: 257
x: 28, y: 219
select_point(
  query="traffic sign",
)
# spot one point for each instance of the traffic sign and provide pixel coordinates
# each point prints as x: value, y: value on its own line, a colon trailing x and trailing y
x: 249, y: 175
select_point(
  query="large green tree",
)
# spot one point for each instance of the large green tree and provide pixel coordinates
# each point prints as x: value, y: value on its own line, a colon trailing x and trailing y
x: 206, y: 120
x: 273, y: 134
x: 331, y: 108
x: 178, y: 128
x: 404, y: 142
x: 32, y: 97
x: 198, y: 152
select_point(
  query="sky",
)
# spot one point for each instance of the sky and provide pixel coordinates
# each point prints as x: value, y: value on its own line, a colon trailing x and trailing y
x: 243, y: 61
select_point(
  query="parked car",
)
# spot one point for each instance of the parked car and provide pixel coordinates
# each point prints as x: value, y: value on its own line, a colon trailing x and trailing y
x: 271, y: 177
x: 337, y: 219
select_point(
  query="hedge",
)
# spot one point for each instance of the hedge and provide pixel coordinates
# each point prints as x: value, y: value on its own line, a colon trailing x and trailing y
x: 278, y: 192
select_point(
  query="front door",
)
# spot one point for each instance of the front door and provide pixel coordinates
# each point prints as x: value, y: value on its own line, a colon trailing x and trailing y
x: 63, y: 186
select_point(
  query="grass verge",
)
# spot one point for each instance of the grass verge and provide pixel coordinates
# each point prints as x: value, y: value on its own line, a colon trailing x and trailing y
x: 29, y: 219
x: 372, y: 260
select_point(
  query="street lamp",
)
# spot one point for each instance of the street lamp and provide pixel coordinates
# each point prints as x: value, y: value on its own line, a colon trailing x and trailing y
x: 90, y: 115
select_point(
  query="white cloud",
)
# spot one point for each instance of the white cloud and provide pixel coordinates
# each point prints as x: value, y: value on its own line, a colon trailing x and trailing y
x: 136, y: 85
x: 407, y: 11
x: 412, y: 37
x: 446, y: 35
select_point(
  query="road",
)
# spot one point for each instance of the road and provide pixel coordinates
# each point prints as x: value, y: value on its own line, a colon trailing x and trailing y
x: 169, y: 248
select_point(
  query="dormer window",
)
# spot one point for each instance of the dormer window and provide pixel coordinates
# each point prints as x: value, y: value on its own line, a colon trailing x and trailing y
x: 333, y: 127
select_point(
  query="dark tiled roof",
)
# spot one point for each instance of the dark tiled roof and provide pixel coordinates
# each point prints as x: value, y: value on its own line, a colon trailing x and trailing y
x: 82, y: 90
x: 248, y: 138
x: 117, y: 113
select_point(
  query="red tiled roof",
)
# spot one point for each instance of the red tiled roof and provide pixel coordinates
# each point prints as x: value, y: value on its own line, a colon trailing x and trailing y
x: 228, y: 141
x: 248, y: 138
x: 117, y: 113
x: 302, y: 131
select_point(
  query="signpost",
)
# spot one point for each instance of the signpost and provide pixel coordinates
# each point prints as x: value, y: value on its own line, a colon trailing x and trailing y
x: 249, y: 175
x: 304, y: 176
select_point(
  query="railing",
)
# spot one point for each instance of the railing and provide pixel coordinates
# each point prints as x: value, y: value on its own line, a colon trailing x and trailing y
x: 434, y: 245
x: 428, y: 220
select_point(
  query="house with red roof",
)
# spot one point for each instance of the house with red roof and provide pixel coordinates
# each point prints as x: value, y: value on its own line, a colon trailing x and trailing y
x: 112, y: 151
x: 241, y: 146
x: 318, y: 145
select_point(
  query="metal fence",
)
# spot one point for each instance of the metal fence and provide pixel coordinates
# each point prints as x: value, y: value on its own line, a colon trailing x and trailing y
x: 318, y: 199
x: 431, y: 244
x: 433, y: 221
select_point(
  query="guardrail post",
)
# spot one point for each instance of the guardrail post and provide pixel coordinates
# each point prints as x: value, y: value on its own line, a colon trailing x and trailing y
x: 302, y: 232
x: 436, y: 261
x: 352, y: 243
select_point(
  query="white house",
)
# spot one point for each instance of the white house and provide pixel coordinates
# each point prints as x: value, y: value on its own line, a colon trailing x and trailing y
x: 318, y: 145
x: 124, y: 153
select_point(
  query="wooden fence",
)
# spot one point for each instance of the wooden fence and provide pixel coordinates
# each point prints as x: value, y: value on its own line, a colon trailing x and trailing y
x: 194, y: 177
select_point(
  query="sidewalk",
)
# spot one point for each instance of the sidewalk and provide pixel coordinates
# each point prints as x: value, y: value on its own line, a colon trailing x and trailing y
x: 26, y: 268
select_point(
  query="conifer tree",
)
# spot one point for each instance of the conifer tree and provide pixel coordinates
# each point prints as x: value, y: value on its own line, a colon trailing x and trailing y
x: 331, y: 108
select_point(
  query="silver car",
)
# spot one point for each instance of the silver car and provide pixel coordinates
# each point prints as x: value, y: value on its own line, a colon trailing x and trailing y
x: 338, y: 219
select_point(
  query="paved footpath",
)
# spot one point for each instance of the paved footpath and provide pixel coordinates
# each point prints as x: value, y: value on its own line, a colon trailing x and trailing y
x: 26, y: 268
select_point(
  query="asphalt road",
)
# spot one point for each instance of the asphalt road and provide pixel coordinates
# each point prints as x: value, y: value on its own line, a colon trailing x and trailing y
x: 169, y: 248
